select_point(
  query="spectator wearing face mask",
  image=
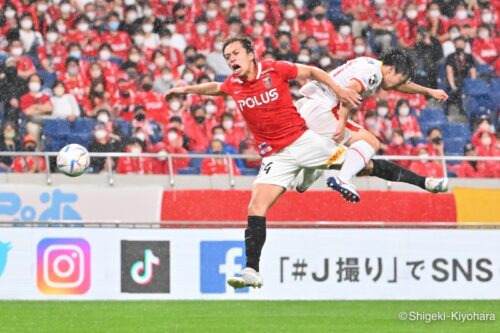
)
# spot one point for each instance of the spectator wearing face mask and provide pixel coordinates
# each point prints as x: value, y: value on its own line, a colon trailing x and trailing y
x: 123, y: 100
x: 87, y: 37
x: 406, y: 121
x: 424, y: 166
x: 198, y: 129
x: 380, y: 126
x: 459, y: 66
x: 216, y: 22
x: 177, y: 106
x: 135, y: 165
x: 110, y: 71
x: 483, y: 125
x: 35, y: 104
x: 200, y: 38
x: 75, y: 82
x: 435, y: 23
x: 98, y: 98
x: 461, y: 17
x: 217, y: 165
x: 145, y: 128
x: 260, y: 13
x: 344, y: 42
x: 284, y: 50
x: 233, y: 135
x: 103, y: 141
x: 488, y: 147
x: 64, y: 105
x: 484, y: 47
x: 153, y: 102
x: 173, y: 144
x: 25, y: 66
x: 29, y: 164
x: 435, y: 145
x: 52, y: 53
x: 183, y: 25
x: 118, y: 40
x: 406, y: 28
x: 320, y: 28
x: 151, y: 38
x: 177, y: 123
x: 466, y: 169
x: 10, y: 21
x: 172, y: 53
x: 8, y: 142
x: 398, y: 146
x: 360, y: 49
x: 30, y: 38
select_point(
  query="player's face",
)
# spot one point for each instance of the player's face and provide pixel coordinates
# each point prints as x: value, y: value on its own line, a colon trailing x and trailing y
x: 391, y: 79
x: 238, y: 59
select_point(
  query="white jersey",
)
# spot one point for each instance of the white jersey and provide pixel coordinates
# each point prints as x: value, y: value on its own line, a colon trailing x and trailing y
x: 317, y: 108
x: 367, y: 71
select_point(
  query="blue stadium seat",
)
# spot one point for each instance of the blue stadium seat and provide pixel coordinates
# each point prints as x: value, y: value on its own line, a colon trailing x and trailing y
x: 433, y: 115
x: 195, y: 162
x: 188, y: 171
x: 124, y: 126
x: 451, y: 131
x: 476, y: 87
x: 56, y: 128
x: 495, y: 91
x: 455, y: 145
x: 82, y: 126
x: 80, y: 138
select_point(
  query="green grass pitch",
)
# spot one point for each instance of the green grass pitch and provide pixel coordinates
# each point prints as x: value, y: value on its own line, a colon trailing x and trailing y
x: 239, y: 316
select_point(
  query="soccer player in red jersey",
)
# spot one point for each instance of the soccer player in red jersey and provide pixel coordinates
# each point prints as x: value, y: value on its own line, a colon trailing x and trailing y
x: 282, y: 138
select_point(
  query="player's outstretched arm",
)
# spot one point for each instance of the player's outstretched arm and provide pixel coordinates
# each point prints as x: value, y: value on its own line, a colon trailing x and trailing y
x: 209, y: 88
x: 345, y: 95
x: 413, y: 88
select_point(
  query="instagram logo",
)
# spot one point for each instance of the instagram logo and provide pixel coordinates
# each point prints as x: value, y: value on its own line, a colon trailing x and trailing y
x: 63, y: 266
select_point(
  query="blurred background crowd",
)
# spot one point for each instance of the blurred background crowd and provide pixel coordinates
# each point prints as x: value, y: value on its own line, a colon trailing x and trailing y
x: 94, y: 72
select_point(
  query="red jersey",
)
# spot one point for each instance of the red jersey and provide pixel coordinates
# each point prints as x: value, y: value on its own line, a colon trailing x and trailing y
x: 267, y: 106
x: 28, y: 100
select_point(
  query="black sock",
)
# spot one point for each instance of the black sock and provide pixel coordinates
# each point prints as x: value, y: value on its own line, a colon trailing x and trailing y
x: 255, y: 237
x: 396, y: 173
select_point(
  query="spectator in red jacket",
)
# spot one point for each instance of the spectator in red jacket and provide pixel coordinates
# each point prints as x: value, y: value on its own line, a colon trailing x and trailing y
x: 360, y: 49
x: 234, y: 135
x: 173, y: 145
x: 488, y: 147
x: 319, y: 27
x: 406, y: 121
x: 216, y: 22
x: 217, y: 165
x: 135, y: 165
x: 198, y: 129
x: 398, y: 146
x: 88, y: 38
x: 154, y: 102
x: 25, y: 66
x: 124, y: 99
x: 75, y: 82
x: 31, y: 164
x: 406, y: 28
x: 424, y: 167
x: 118, y: 40
x: 436, y: 23
x: 466, y: 169
x: 484, y: 47
x: 35, y: 104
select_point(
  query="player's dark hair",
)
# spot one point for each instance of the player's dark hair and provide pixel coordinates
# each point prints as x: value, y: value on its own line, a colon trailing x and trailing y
x: 243, y: 40
x: 401, y: 60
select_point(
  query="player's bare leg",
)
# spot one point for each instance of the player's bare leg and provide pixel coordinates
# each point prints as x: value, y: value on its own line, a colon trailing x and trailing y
x: 263, y: 198
x: 362, y: 147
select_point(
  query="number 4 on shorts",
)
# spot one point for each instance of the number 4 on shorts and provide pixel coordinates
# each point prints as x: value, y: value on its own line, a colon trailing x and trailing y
x: 266, y: 167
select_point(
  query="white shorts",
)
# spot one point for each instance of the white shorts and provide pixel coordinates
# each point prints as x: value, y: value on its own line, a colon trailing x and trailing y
x: 321, y: 117
x: 309, y: 151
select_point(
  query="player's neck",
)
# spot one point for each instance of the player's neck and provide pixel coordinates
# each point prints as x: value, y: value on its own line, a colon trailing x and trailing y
x: 252, y: 73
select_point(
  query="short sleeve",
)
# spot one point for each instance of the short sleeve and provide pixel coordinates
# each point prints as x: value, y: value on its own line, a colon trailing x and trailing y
x: 286, y: 69
x: 226, y: 85
x: 369, y: 75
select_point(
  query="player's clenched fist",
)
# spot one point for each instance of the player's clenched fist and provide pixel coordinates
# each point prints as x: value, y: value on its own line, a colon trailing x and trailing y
x: 438, y: 94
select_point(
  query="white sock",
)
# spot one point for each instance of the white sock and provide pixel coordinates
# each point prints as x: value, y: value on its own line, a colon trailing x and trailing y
x: 359, y: 153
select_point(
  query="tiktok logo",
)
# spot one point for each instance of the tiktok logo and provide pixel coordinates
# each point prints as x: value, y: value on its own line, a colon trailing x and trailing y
x: 145, y: 266
x: 142, y: 271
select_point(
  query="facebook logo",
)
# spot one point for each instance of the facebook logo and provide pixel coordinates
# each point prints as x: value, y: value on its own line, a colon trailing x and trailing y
x: 220, y: 260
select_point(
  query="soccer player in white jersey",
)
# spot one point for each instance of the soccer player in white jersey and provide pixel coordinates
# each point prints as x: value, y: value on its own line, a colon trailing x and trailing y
x: 325, y: 115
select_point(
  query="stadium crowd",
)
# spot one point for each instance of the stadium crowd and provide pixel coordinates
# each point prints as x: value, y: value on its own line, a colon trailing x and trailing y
x: 99, y: 69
